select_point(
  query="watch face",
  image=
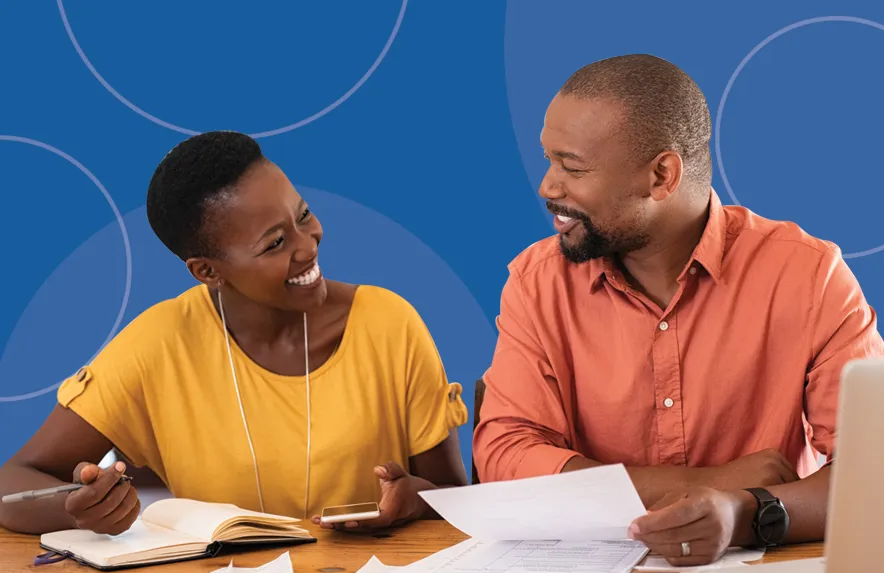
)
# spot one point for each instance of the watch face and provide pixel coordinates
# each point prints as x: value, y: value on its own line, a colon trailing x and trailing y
x: 773, y: 522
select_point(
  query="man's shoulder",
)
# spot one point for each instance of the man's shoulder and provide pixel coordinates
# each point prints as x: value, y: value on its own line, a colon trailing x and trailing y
x: 543, y: 254
x: 775, y: 236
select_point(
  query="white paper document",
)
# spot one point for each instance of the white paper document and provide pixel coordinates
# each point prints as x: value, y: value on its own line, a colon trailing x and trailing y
x: 475, y: 556
x: 592, y: 504
x: 815, y: 565
x: 282, y: 564
x: 733, y: 557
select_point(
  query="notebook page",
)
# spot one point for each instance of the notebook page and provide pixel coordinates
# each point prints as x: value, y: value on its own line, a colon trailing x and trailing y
x: 201, y: 519
x: 597, y: 503
x: 107, y: 549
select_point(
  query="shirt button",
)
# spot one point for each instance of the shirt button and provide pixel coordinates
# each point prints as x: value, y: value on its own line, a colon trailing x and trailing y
x: 692, y: 270
x: 668, y: 402
x: 664, y: 325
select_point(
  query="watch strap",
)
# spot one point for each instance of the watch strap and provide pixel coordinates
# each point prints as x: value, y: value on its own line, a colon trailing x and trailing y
x: 765, y: 499
x: 762, y: 496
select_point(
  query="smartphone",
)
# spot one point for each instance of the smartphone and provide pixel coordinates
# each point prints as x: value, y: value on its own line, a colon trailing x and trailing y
x: 353, y: 512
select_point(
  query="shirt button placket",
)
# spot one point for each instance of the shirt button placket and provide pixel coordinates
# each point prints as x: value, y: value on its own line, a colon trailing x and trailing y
x: 667, y: 387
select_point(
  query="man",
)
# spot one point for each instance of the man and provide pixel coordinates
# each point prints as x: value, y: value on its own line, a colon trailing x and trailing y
x: 699, y: 345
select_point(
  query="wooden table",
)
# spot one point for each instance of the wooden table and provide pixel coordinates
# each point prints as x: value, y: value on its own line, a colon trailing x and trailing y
x: 333, y: 553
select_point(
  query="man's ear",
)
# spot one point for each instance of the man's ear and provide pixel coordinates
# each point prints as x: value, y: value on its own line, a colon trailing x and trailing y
x: 202, y: 270
x: 666, y: 175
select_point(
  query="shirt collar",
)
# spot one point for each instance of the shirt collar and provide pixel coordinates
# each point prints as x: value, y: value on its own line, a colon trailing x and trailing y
x: 709, y: 252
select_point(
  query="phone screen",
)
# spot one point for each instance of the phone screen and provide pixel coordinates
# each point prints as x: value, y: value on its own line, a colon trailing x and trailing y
x: 348, y: 509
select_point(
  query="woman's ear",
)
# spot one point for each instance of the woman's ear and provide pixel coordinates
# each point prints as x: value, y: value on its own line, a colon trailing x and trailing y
x: 203, y: 271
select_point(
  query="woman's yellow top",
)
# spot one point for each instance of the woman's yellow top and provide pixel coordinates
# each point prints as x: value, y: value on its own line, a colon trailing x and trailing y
x: 162, y: 392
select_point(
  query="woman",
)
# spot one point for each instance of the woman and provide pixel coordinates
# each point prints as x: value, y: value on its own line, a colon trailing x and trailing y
x: 211, y: 390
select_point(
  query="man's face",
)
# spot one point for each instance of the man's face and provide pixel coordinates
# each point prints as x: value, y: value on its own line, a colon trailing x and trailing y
x: 593, y: 185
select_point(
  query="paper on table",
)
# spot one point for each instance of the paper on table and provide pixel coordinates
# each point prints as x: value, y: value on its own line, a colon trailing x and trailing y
x: 374, y: 565
x: 733, y: 557
x: 525, y: 557
x: 596, y: 503
x: 282, y: 564
x: 815, y: 565
x: 430, y: 563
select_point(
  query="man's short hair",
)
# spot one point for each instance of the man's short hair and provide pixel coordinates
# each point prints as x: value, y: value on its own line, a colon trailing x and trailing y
x: 665, y: 109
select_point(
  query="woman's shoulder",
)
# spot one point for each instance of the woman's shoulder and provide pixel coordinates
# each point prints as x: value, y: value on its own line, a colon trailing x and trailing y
x: 384, y: 304
x: 172, y: 317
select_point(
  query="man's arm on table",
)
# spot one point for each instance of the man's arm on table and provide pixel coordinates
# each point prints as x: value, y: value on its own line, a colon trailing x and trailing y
x: 760, y: 469
x: 844, y: 328
x: 524, y: 431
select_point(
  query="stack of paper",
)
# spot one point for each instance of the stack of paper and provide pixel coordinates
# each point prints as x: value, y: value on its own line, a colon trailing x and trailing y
x: 815, y: 565
x: 568, y: 523
x: 734, y: 557
x: 574, y: 522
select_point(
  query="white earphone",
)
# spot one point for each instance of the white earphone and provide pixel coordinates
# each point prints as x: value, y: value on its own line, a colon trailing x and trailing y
x: 243, y: 412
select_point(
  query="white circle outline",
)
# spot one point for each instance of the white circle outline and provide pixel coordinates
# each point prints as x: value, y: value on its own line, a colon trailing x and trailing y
x: 730, y: 83
x: 185, y: 131
x: 120, y: 222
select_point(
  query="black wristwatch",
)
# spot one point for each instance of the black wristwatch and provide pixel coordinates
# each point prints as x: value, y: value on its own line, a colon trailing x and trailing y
x: 771, y: 521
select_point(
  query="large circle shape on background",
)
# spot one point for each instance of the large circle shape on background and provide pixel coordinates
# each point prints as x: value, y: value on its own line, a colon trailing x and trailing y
x: 36, y: 341
x: 727, y: 90
x: 267, y: 133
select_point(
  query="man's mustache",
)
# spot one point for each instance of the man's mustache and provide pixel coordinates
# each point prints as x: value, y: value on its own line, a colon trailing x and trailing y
x: 565, y: 212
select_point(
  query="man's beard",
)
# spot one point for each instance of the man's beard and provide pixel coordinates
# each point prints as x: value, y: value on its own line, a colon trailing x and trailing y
x: 595, y: 243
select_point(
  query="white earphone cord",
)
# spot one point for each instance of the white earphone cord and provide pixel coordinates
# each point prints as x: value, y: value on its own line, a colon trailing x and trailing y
x: 243, y: 412
x: 309, y: 428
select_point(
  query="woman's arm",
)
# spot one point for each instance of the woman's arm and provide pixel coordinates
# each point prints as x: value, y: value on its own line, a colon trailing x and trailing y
x: 442, y: 465
x: 49, y: 459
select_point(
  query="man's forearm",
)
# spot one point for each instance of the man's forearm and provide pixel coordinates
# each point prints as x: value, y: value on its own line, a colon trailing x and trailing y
x: 806, y: 502
x: 652, y: 482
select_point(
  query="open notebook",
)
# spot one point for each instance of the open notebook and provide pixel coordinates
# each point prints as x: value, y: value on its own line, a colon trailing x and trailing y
x: 176, y: 530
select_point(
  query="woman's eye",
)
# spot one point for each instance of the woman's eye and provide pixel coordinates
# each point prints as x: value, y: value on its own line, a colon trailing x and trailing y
x: 274, y: 244
x: 304, y: 216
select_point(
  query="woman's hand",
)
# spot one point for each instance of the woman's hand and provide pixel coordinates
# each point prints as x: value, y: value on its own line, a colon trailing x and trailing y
x: 106, y: 504
x: 400, y: 502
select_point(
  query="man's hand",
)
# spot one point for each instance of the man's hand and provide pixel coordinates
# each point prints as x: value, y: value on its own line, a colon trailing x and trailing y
x: 105, y: 505
x: 761, y: 469
x: 400, y: 502
x: 705, y: 518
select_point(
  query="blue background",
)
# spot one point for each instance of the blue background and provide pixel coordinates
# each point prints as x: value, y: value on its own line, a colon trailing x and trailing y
x: 422, y: 164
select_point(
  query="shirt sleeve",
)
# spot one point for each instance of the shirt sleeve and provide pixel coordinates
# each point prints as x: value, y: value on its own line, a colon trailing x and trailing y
x: 108, y: 394
x: 844, y: 328
x: 433, y: 405
x: 523, y: 430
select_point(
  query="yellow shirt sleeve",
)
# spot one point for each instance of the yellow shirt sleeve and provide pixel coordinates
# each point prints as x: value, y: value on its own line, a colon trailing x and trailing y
x: 108, y: 393
x: 434, y: 405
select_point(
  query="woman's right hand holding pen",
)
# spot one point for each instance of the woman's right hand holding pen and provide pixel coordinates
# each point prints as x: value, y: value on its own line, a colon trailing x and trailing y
x: 106, y: 504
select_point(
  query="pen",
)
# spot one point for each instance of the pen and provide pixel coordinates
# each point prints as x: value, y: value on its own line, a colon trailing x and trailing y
x: 48, y: 492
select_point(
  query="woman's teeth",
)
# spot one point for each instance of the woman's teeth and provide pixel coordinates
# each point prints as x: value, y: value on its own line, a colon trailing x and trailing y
x: 307, y: 278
